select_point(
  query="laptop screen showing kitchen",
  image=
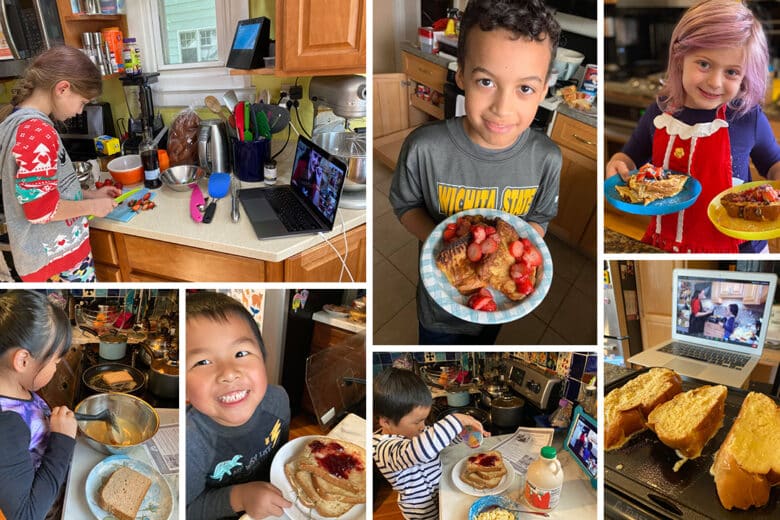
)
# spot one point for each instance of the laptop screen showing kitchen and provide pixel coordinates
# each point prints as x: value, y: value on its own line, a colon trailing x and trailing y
x: 724, y: 309
x: 317, y: 179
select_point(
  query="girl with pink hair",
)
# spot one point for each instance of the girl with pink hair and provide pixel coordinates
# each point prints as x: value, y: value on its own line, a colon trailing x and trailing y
x: 707, y: 121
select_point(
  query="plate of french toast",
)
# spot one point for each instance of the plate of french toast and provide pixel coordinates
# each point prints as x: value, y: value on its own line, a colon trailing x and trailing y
x: 483, y: 474
x: 324, y: 477
x: 486, y: 266
x: 652, y: 190
x: 687, y: 442
x: 749, y: 211
x: 126, y: 488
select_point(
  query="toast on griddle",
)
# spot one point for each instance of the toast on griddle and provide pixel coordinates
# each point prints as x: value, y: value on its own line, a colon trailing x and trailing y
x: 689, y: 420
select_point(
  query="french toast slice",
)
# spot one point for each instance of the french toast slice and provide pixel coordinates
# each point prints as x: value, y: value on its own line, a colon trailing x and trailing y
x: 487, y: 462
x: 461, y: 272
x: 626, y: 408
x: 760, y: 204
x: 481, y: 482
x: 747, y: 464
x: 689, y: 420
x: 494, y: 268
x: 303, y: 483
x: 329, y: 491
x: 338, y: 462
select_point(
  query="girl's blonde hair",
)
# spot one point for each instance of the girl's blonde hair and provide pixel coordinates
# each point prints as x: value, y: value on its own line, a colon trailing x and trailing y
x: 717, y: 24
x: 58, y: 64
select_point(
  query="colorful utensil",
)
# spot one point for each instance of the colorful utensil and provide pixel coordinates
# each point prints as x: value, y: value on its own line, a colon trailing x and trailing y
x: 196, y: 203
x: 239, y: 114
x: 122, y: 197
x: 247, y: 122
x: 219, y: 184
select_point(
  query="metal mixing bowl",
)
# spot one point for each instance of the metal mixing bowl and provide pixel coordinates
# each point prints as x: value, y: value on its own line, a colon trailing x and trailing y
x: 84, y: 174
x: 180, y: 178
x: 136, y: 420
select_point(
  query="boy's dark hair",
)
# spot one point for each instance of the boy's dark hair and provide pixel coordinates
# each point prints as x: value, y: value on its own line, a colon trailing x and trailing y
x: 734, y: 308
x: 30, y: 321
x: 219, y: 307
x: 529, y: 19
x: 397, y: 392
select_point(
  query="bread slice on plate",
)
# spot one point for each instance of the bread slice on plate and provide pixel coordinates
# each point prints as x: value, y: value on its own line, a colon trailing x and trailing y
x: 487, y: 462
x: 626, y: 408
x: 478, y: 481
x: 747, y: 464
x: 303, y: 483
x: 338, y: 462
x: 123, y: 493
x: 689, y: 420
x: 330, y: 492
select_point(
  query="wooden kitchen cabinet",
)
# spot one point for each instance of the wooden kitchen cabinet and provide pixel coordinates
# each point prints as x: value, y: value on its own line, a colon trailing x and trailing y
x: 120, y: 257
x: 73, y: 25
x: 574, y: 223
x: 320, y: 38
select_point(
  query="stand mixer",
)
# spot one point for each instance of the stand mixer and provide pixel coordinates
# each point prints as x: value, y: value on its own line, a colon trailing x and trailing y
x: 338, y: 100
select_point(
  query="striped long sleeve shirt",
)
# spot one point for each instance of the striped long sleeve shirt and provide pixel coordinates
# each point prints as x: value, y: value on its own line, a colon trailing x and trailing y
x: 413, y: 467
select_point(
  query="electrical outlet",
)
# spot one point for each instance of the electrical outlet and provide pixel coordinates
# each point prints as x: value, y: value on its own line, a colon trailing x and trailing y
x: 296, y: 92
x: 283, y: 101
x: 285, y: 89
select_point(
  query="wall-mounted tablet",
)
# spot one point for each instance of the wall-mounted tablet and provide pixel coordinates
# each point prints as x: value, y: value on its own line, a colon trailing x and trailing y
x: 250, y: 44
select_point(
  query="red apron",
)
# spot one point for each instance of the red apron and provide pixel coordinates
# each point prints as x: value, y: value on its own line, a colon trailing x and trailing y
x: 704, y: 151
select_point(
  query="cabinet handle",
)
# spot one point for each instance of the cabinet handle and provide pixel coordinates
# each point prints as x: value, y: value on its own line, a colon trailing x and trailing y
x: 583, y: 140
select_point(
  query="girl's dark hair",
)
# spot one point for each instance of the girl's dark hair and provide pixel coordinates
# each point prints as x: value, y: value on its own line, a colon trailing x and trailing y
x: 30, y: 321
x: 220, y: 307
x: 397, y: 392
x: 734, y: 308
x: 530, y: 19
x: 58, y: 64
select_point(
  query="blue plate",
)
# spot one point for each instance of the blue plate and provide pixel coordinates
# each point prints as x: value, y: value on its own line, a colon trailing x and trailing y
x: 443, y: 293
x: 485, y: 502
x: 158, y: 502
x: 125, y: 213
x: 679, y: 202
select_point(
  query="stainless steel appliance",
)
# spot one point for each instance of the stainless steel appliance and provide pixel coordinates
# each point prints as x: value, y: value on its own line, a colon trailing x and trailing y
x: 622, y: 331
x: 337, y: 100
x: 213, y: 151
x: 140, y: 107
x: 539, y: 389
x: 78, y: 132
x: 29, y: 27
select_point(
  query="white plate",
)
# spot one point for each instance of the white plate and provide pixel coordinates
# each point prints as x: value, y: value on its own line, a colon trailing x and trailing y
x: 298, y: 511
x: 470, y: 490
x: 158, y: 502
x: 336, y: 310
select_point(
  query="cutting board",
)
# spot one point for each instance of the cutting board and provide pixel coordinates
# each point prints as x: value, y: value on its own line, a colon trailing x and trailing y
x: 123, y: 213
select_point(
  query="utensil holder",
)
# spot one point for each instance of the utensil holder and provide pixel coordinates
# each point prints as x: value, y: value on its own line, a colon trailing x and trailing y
x: 249, y: 158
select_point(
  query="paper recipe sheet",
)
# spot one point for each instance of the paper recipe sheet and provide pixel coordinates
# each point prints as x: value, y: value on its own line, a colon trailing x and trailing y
x: 164, y: 449
x: 523, y: 447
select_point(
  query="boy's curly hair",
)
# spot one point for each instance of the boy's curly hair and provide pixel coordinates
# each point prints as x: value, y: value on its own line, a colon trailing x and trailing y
x: 530, y: 19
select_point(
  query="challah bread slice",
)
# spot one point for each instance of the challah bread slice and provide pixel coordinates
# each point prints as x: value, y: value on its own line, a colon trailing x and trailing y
x: 747, y: 464
x: 689, y: 420
x: 626, y: 408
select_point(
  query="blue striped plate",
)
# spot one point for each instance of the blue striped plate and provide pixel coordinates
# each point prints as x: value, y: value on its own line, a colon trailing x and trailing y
x: 455, y: 303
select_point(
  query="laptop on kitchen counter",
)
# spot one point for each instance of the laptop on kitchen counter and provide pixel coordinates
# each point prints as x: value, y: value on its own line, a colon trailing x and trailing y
x: 307, y: 205
x: 723, y: 341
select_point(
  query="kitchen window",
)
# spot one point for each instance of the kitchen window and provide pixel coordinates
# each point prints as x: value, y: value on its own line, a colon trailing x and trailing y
x: 187, y: 42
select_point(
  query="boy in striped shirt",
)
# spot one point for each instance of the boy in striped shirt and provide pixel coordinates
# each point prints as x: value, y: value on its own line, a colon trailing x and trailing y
x: 406, y: 452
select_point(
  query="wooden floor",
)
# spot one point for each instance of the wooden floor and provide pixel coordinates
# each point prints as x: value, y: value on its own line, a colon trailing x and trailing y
x: 385, y: 503
x: 304, y: 424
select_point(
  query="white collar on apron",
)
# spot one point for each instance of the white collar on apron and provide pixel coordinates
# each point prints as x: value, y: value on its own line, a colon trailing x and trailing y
x: 675, y: 127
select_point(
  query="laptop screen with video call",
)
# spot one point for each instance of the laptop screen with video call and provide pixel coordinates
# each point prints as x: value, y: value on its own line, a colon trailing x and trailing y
x: 318, y: 179
x: 723, y: 309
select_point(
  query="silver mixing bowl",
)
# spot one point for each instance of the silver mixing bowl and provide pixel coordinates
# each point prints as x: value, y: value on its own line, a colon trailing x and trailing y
x: 136, y: 420
x: 84, y: 173
x: 181, y: 177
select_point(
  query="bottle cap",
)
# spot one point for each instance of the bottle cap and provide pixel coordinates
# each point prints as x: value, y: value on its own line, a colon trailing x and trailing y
x: 129, y: 40
x: 548, y: 452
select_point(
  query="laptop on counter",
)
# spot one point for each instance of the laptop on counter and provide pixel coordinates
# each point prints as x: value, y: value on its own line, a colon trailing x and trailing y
x: 723, y: 341
x: 307, y: 205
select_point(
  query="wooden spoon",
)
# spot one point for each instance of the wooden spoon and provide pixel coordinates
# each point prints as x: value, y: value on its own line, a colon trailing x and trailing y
x: 215, y: 106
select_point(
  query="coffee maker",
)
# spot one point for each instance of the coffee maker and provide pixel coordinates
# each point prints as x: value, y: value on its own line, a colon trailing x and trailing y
x: 140, y: 107
x: 338, y: 100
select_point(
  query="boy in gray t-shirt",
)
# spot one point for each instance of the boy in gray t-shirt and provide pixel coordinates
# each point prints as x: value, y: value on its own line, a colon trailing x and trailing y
x: 490, y: 158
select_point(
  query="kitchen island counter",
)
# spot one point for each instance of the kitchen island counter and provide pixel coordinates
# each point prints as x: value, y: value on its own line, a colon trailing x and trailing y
x: 169, y: 231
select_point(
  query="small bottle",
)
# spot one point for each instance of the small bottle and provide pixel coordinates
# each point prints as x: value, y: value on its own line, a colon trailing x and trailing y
x: 269, y: 173
x: 544, y: 480
x: 131, y: 57
x: 561, y: 417
x: 150, y: 161
x: 589, y: 402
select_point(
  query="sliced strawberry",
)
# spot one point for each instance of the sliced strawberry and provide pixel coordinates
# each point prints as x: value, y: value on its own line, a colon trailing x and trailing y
x: 108, y: 182
x: 99, y: 184
x: 524, y: 285
x: 526, y: 243
x: 489, y: 246
x: 516, y: 249
x: 490, y: 230
x: 490, y: 306
x: 519, y: 270
x: 769, y: 195
x: 484, y: 291
x: 474, y: 252
x: 118, y: 185
x: 532, y: 257
x: 478, y: 232
x: 641, y: 176
x: 449, y: 235
x: 452, y: 225
x: 480, y: 302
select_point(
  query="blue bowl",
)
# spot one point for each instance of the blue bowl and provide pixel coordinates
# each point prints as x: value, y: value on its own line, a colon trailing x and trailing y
x: 480, y: 504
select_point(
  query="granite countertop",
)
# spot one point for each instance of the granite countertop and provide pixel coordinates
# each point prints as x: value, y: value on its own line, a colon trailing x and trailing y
x: 615, y: 242
x: 170, y: 221
x: 613, y: 372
